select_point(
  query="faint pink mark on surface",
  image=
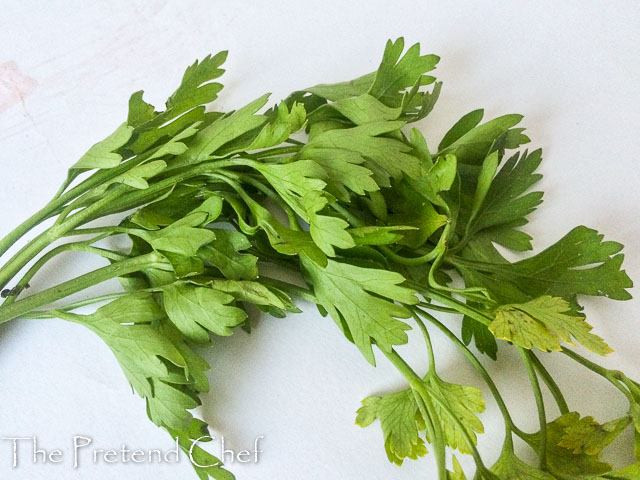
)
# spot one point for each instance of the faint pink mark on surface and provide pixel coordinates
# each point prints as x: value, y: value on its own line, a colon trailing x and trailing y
x: 14, y: 85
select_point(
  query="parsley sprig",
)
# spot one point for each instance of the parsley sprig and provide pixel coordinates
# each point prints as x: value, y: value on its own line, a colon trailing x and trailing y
x: 380, y: 231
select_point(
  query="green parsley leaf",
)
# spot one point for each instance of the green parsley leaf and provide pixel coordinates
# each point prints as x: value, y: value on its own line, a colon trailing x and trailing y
x: 542, y: 323
x: 196, y: 87
x: 102, y: 154
x: 401, y: 424
x: 342, y: 289
x: 195, y: 311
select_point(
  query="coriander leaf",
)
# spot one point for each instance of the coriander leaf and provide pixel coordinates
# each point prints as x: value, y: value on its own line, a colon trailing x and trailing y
x: 211, y: 466
x: 165, y: 126
x: 487, y: 171
x: 401, y: 424
x: 196, y: 310
x: 580, y: 263
x: 102, y: 154
x: 195, y: 366
x: 342, y: 90
x: 298, y: 184
x: 435, y: 180
x: 412, y: 209
x: 326, y: 231
x: 281, y: 238
x: 126, y: 326
x: 224, y: 254
x: 293, y: 181
x: 184, y: 265
x: 458, y: 473
x: 181, y: 239
x: 542, y: 323
x: 464, y: 402
x: 255, y: 292
x: 137, y: 176
x: 342, y: 289
x: 196, y: 87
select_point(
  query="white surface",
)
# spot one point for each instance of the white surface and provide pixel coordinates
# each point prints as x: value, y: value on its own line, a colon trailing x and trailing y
x: 66, y: 71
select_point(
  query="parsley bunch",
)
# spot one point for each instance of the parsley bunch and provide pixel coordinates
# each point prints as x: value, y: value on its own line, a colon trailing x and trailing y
x: 380, y: 230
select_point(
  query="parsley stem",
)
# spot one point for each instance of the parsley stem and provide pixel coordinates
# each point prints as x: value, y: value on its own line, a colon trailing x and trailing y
x: 613, y: 376
x: 45, y: 297
x: 542, y: 416
x: 418, y: 386
x: 76, y: 246
x: 509, y: 424
x: 46, y: 314
x: 427, y: 341
x: 551, y: 384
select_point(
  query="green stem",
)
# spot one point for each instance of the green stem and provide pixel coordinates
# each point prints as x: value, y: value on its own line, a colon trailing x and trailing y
x: 77, y: 247
x: 613, y: 376
x: 551, y: 384
x: 427, y: 341
x: 508, y: 420
x: 417, y: 385
x: 117, y: 269
x: 542, y: 416
x: 460, y: 307
x: 45, y: 314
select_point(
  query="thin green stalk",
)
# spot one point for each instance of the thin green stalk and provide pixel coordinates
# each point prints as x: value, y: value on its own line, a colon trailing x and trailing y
x: 542, y: 416
x: 417, y: 385
x: 551, y: 384
x: 427, y: 341
x: 76, y: 246
x: 280, y: 151
x: 117, y: 269
x: 46, y: 314
x: 610, y: 375
x: 509, y: 423
x: 462, y: 308
x: 438, y: 308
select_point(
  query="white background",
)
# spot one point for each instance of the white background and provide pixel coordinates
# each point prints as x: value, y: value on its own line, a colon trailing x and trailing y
x: 66, y: 71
